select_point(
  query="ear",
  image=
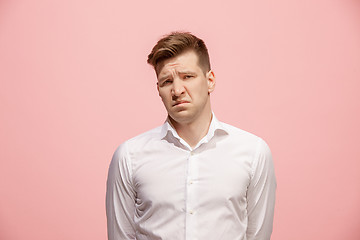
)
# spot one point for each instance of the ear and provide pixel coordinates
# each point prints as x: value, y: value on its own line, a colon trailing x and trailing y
x: 157, y: 87
x: 211, y: 81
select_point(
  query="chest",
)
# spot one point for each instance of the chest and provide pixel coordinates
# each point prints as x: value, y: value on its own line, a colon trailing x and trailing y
x: 168, y: 177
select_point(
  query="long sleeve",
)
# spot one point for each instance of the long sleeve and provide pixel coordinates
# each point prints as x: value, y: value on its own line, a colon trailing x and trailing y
x: 120, y: 197
x: 261, y: 195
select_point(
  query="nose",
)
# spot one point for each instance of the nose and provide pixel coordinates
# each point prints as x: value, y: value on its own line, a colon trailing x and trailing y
x: 177, y: 88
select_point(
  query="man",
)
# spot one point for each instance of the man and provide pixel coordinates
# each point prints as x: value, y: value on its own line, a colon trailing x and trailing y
x: 194, y: 177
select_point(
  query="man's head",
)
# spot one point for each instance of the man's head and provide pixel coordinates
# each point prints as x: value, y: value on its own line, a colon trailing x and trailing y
x: 175, y: 44
x: 185, y: 80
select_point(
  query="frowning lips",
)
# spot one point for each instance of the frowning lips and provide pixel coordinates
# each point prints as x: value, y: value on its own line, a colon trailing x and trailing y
x: 180, y: 102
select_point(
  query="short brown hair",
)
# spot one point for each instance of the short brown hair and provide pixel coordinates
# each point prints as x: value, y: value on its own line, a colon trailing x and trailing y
x: 175, y: 43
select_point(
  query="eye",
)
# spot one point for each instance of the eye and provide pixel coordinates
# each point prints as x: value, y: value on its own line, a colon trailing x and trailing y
x: 166, y: 82
x: 188, y: 76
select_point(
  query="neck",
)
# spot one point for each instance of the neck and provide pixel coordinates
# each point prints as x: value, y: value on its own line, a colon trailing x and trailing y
x: 192, y: 132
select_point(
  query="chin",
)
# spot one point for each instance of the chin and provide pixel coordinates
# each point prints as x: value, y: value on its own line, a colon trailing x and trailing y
x: 181, y: 117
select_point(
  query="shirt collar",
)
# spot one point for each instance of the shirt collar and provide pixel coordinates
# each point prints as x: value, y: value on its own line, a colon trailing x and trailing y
x: 216, y: 127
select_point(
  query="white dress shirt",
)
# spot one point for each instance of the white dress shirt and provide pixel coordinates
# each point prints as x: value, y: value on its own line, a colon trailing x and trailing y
x: 158, y: 187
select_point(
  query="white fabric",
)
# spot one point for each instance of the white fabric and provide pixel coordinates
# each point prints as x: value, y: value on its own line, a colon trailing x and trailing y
x: 160, y: 188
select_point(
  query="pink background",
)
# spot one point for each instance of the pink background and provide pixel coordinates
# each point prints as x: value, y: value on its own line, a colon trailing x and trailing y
x: 75, y: 84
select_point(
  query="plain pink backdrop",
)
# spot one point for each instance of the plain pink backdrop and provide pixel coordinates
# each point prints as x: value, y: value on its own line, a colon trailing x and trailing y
x: 75, y: 84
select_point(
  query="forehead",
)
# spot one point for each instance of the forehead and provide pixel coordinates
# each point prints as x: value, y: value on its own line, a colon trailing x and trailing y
x: 184, y: 61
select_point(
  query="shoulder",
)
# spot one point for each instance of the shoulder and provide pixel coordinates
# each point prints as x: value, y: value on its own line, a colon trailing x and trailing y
x: 241, y: 136
x: 139, y: 142
x: 255, y: 146
x: 121, y: 158
x: 246, y: 140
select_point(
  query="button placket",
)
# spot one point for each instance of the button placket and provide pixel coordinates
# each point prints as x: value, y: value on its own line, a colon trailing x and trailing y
x: 191, y: 195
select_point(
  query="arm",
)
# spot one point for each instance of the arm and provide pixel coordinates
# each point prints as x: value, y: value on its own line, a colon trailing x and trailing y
x: 261, y: 195
x: 120, y: 197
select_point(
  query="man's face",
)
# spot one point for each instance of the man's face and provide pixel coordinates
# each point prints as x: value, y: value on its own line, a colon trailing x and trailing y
x: 184, y: 88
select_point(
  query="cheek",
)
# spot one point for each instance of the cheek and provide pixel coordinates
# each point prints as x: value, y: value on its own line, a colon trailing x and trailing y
x: 200, y: 89
x: 163, y: 95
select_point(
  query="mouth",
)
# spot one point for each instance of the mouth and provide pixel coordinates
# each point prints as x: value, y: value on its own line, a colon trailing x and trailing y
x: 179, y: 103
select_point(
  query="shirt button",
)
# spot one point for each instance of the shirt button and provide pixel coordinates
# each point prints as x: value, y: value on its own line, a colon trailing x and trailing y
x: 191, y: 182
x: 191, y: 212
x: 192, y: 153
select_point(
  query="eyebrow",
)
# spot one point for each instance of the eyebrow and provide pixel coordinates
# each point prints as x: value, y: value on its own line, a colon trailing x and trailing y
x: 162, y: 78
x: 186, y: 72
